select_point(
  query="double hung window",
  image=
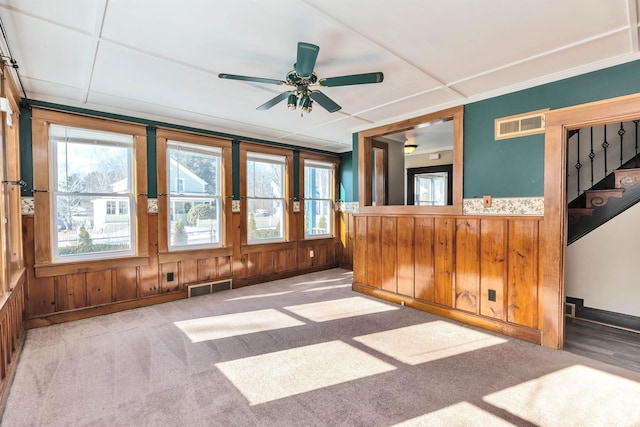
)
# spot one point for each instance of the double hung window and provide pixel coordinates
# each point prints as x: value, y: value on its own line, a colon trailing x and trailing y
x: 93, y: 201
x: 266, y: 197
x: 194, y: 182
x: 318, y: 198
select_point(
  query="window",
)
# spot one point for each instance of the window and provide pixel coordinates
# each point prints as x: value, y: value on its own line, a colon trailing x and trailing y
x: 195, y: 195
x: 92, y: 173
x: 266, y: 197
x: 79, y: 164
x: 123, y: 208
x: 318, y: 198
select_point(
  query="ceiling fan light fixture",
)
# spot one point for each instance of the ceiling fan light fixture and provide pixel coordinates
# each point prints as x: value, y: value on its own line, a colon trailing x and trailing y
x: 292, y: 101
x: 409, y: 148
x: 305, y: 103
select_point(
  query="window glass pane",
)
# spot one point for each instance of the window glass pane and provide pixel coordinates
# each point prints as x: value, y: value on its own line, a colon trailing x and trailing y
x: 265, y: 178
x: 90, y: 224
x: 194, y: 221
x: 317, y: 182
x: 265, y: 219
x: 194, y: 180
x: 317, y: 217
x: 318, y: 195
x: 93, y: 197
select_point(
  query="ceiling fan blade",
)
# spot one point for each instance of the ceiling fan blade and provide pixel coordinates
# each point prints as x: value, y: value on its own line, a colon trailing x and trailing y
x: 324, y: 101
x: 354, y: 79
x: 251, y: 79
x: 270, y: 103
x: 306, y: 61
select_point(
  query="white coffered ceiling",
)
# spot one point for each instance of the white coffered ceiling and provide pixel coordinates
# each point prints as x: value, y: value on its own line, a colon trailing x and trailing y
x: 159, y: 59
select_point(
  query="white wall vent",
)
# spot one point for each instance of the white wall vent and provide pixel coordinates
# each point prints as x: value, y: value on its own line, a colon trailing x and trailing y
x: 198, y: 289
x: 520, y: 125
x: 569, y: 309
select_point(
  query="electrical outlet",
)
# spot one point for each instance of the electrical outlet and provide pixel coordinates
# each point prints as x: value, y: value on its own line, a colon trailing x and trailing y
x: 170, y: 277
x: 487, y: 200
x: 311, y: 253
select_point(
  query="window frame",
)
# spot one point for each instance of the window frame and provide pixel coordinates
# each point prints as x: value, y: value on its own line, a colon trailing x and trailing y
x: 167, y: 254
x: 334, y: 162
x: 44, y: 191
x: 288, y: 235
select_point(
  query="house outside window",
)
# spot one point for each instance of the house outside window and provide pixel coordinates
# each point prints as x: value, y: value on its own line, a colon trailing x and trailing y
x: 92, y: 173
x: 318, y: 198
x: 265, y: 194
x: 195, y: 196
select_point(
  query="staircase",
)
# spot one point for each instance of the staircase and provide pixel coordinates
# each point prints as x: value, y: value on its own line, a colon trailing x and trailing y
x: 612, y: 192
x: 599, y: 205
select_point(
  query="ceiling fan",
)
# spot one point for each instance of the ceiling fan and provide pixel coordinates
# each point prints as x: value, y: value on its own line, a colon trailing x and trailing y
x: 302, y: 78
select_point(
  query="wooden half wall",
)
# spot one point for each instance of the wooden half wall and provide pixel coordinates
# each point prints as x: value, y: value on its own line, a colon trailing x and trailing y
x: 484, y: 271
x: 69, y: 292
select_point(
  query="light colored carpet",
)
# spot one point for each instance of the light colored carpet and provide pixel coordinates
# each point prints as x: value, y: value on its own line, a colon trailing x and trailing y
x: 304, y: 351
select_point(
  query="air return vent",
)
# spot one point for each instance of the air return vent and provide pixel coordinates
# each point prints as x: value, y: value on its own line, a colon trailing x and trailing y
x: 569, y: 309
x: 520, y: 125
x: 208, y: 288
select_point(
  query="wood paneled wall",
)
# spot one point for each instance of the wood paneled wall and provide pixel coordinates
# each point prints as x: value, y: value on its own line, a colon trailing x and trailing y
x: 347, y: 232
x: 480, y: 270
x: 61, y: 294
x: 11, y: 337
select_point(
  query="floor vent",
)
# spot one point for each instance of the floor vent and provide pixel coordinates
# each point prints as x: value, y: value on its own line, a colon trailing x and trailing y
x: 199, y: 289
x: 569, y: 309
x: 520, y: 125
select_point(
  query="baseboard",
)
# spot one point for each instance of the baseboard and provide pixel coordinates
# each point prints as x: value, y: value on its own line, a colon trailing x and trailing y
x: 609, y: 317
x: 239, y: 283
x: 510, y: 329
x: 99, y: 310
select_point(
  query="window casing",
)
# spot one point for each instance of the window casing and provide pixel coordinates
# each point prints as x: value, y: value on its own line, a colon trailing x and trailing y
x: 318, y: 198
x: 50, y: 170
x: 195, y: 196
x: 266, y: 197
x: 193, y: 170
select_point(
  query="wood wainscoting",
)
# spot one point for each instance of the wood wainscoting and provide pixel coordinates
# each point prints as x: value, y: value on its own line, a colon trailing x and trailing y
x: 11, y: 336
x: 62, y: 293
x: 483, y: 271
x: 345, y: 247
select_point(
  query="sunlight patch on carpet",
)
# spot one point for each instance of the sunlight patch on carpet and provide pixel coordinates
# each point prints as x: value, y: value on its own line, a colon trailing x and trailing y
x: 231, y: 325
x: 324, y: 288
x: 459, y: 414
x: 286, y: 373
x: 427, y: 342
x: 591, y: 396
x: 339, y: 309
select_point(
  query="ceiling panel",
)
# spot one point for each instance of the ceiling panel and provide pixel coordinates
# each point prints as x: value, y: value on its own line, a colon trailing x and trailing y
x: 608, y: 47
x: 52, y: 53
x: 52, y: 92
x: 414, y: 106
x: 73, y: 14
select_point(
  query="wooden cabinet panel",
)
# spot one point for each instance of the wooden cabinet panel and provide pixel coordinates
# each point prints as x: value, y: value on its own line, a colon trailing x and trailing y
x: 360, y: 250
x: 467, y: 265
x: 443, y: 254
x: 99, y: 287
x: 126, y: 284
x: 424, y: 288
x: 522, y: 290
x: 165, y: 284
x: 388, y: 251
x: 374, y: 264
x: 493, y: 267
x: 405, y: 256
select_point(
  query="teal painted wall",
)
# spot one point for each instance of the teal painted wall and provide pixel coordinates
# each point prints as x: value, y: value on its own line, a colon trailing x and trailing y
x: 515, y: 167
x: 345, y: 177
